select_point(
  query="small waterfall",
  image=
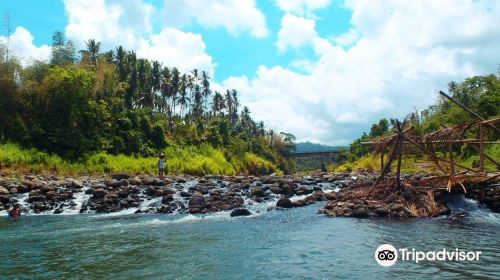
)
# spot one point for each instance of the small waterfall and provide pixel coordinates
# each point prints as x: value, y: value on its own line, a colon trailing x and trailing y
x: 80, y: 199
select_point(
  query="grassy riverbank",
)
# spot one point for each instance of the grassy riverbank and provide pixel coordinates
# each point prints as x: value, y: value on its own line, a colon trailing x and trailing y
x: 195, y: 160
x: 414, y: 164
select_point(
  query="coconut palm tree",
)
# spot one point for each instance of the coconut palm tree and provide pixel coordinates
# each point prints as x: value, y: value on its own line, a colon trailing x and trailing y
x: 206, y: 87
x: 175, y: 86
x: 120, y: 63
x: 218, y: 104
x: 93, y: 49
x: 183, y: 95
x: 166, y: 83
x: 155, y: 80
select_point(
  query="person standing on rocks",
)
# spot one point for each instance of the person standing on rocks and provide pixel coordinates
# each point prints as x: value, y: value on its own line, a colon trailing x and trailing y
x: 15, y: 213
x: 161, y: 166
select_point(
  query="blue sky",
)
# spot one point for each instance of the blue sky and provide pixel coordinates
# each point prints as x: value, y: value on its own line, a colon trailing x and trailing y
x: 234, y: 55
x: 323, y: 70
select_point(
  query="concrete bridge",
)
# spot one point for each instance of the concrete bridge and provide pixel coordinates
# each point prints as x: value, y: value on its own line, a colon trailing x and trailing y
x: 317, y: 160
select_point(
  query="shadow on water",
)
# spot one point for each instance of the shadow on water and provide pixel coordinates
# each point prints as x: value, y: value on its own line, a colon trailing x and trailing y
x: 291, y: 244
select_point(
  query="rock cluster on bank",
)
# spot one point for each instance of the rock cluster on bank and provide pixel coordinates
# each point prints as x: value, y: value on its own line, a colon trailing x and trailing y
x: 148, y: 194
x: 345, y: 194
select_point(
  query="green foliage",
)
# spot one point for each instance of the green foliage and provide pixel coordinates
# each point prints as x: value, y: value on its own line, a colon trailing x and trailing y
x: 116, y: 104
x: 196, y: 160
x: 479, y: 93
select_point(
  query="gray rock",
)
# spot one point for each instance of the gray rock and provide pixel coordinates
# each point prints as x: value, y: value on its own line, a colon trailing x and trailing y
x: 120, y: 176
x: 258, y: 192
x: 360, y: 212
x: 3, y: 191
x: 381, y: 212
x: 240, y: 212
x: 284, y: 202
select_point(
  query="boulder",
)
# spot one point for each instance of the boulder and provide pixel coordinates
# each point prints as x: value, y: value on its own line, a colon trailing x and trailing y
x: 4, y: 199
x: 135, y: 181
x: 22, y: 189
x: 331, y: 195
x: 13, y: 190
x: 299, y: 203
x: 381, y: 212
x: 50, y: 195
x: 3, y: 191
x: 197, y: 202
x: 167, y: 198
x: 360, y: 212
x: 240, y: 212
x: 66, y: 195
x: 123, y: 182
x: 303, y: 190
x: 33, y: 184
x: 168, y: 191
x: 258, y: 192
x: 48, y: 188
x: 74, y: 183
x: 287, y: 189
x: 112, y: 183
x: 122, y: 193
x: 284, y: 202
x: 120, y: 176
x: 99, y: 193
x: 185, y: 194
x: 124, y: 203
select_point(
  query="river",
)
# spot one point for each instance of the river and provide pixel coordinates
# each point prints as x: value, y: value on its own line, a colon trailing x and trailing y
x: 287, y: 244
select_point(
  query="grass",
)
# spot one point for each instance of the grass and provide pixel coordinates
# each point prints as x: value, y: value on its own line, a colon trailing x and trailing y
x: 195, y: 160
x: 413, y: 164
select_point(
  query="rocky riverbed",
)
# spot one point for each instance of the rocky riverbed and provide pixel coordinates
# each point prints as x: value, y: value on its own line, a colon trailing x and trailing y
x: 345, y: 194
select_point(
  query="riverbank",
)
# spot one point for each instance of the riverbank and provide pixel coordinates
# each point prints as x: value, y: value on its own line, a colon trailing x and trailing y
x: 346, y: 195
x: 197, y: 160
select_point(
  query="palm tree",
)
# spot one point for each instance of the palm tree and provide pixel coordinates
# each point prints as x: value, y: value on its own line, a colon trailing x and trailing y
x: 109, y: 56
x: 218, y: 104
x: 93, y: 48
x: 175, y: 86
x: 155, y: 79
x: 260, y: 129
x: 229, y: 103
x: 143, y: 73
x: 131, y: 64
x: 206, y: 87
x: 183, y: 98
x: 120, y: 63
x: 166, y: 84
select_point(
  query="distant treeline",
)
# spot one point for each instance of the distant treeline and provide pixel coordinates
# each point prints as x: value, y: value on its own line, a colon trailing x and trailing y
x: 307, y: 147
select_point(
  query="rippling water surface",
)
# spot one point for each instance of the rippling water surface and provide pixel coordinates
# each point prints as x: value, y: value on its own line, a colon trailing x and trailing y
x: 291, y: 244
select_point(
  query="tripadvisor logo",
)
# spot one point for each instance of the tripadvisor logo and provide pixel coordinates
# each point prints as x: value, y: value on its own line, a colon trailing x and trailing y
x: 387, y: 255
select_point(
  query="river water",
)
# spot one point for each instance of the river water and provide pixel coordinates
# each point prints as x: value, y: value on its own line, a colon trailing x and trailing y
x: 287, y: 244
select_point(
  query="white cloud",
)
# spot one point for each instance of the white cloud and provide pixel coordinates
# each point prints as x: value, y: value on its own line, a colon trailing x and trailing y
x: 295, y: 32
x: 110, y: 22
x: 302, y: 7
x: 22, y: 47
x: 235, y: 16
x: 176, y: 48
x: 129, y: 23
x: 399, y: 54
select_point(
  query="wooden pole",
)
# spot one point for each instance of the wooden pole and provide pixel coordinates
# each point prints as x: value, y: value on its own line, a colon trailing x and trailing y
x: 381, y: 162
x: 487, y: 156
x: 452, y: 163
x: 400, y: 155
x: 481, y: 147
x: 467, y: 110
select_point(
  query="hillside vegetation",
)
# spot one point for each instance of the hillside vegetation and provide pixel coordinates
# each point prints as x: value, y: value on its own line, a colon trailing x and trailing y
x: 96, y: 111
x: 479, y: 93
